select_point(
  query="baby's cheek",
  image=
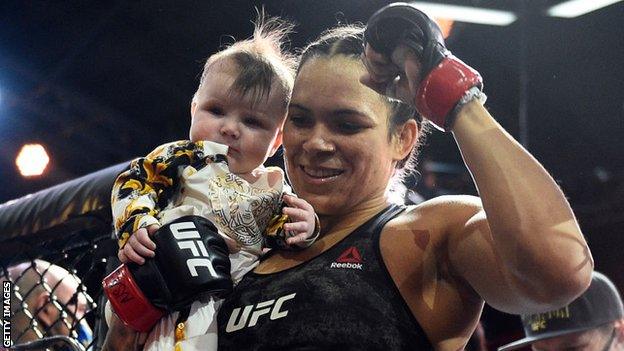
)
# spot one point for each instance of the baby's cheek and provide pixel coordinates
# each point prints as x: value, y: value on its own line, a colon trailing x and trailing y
x: 201, y: 130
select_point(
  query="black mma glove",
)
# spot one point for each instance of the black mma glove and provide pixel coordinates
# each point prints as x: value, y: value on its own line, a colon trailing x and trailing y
x: 447, y: 82
x: 191, y: 262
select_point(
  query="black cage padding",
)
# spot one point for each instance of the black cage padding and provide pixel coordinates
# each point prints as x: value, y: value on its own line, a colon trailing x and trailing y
x: 68, y: 225
x: 79, y: 204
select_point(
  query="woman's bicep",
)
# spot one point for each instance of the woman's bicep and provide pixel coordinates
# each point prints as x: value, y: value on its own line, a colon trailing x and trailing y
x: 473, y: 257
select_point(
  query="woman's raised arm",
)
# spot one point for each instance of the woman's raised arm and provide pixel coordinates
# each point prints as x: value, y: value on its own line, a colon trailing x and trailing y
x: 524, y: 251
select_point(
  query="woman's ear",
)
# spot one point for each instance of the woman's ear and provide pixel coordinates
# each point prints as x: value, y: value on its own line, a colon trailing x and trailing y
x: 405, y: 139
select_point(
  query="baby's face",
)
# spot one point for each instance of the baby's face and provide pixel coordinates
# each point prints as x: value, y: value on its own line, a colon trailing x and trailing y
x: 252, y: 132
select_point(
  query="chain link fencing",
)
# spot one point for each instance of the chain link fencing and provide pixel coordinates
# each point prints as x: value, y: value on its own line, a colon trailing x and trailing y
x: 55, y: 248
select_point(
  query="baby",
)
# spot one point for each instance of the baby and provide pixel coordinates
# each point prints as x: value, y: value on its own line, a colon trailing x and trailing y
x: 237, y: 115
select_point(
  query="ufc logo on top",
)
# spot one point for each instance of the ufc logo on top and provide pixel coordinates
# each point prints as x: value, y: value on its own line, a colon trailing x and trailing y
x: 271, y: 307
x: 185, y: 231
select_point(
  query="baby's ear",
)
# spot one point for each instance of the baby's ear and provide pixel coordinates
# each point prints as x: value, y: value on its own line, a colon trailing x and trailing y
x: 193, y: 107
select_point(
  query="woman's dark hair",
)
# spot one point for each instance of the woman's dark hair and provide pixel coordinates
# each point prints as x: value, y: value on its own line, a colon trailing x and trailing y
x: 348, y: 40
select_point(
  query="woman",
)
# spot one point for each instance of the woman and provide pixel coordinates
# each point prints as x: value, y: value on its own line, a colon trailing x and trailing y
x: 388, y: 277
x: 383, y: 276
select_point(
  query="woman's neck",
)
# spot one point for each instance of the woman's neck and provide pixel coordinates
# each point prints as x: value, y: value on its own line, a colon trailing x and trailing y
x: 333, y: 229
x: 353, y: 218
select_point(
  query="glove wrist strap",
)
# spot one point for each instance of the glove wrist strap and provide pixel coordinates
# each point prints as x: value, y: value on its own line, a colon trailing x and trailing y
x: 471, y: 94
x: 129, y: 302
x: 443, y: 88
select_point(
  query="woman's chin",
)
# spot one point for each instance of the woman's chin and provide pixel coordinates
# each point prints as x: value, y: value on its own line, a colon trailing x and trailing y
x: 325, y: 194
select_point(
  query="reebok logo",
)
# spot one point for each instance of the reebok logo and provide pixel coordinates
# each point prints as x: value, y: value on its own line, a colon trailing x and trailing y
x: 271, y: 307
x: 349, y: 259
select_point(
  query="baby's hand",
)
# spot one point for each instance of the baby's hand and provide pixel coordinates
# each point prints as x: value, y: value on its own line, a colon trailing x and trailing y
x: 303, y: 223
x: 139, y: 246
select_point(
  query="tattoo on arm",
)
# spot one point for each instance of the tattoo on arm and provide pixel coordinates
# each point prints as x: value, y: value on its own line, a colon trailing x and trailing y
x: 121, y: 338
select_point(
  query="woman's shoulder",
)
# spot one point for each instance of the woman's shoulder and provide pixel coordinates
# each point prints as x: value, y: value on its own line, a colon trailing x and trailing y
x: 447, y: 206
x: 438, y: 216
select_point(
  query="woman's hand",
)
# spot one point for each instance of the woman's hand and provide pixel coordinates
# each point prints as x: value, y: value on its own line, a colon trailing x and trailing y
x: 397, y: 76
x: 415, y: 66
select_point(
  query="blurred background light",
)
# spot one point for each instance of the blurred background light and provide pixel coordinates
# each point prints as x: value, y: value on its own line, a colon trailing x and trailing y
x: 575, y: 8
x: 467, y: 13
x: 32, y: 160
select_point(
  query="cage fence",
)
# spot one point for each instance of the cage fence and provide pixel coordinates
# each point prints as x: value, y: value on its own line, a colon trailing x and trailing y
x: 55, y: 249
x: 55, y: 287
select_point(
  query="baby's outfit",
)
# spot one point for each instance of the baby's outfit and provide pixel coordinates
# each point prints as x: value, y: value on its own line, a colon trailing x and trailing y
x: 192, y: 178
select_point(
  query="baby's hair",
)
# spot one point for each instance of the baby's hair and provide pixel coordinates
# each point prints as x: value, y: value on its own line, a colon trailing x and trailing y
x: 262, y: 59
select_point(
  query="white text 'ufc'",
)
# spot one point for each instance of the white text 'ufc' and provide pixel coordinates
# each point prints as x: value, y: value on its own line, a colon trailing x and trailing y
x: 187, y: 230
x: 274, y: 307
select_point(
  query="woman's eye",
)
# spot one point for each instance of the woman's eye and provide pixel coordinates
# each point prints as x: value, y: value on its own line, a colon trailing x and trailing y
x: 349, y: 127
x: 300, y: 121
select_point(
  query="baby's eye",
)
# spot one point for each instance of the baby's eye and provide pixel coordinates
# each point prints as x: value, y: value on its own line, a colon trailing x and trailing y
x: 253, y: 122
x: 216, y: 110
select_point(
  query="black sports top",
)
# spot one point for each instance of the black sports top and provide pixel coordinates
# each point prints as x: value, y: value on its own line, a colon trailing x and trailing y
x: 343, y: 299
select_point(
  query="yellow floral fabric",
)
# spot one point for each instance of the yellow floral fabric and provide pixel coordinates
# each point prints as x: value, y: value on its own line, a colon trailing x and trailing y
x: 183, y: 178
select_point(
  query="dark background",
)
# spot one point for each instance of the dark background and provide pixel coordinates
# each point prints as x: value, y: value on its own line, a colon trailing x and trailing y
x: 99, y: 83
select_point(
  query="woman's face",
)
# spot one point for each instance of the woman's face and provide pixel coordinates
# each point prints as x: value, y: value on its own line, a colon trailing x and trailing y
x: 337, y: 152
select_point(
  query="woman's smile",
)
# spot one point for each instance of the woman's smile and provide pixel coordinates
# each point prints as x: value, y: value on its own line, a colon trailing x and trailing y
x: 320, y: 175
